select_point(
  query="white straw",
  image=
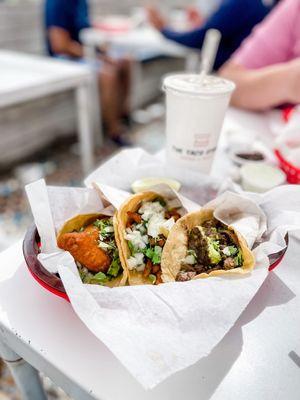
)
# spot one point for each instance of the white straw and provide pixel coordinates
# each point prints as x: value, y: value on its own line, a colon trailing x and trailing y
x: 209, y: 52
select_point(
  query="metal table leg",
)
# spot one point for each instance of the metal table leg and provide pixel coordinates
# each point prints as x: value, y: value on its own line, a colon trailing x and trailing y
x: 96, y: 111
x: 85, y: 124
x: 90, y: 54
x: 26, y: 377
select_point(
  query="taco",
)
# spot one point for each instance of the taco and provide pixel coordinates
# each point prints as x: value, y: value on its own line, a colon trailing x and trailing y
x: 200, y: 246
x: 144, y: 223
x: 93, y: 241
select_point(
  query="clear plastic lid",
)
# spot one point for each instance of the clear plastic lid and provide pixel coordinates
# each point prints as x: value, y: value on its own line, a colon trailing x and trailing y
x: 194, y: 84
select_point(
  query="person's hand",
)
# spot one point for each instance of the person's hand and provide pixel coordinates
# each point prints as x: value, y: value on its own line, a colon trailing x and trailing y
x: 155, y: 18
x: 194, y: 16
x: 292, y: 80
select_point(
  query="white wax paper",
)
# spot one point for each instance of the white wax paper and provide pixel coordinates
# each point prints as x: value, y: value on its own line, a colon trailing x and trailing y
x: 156, y: 331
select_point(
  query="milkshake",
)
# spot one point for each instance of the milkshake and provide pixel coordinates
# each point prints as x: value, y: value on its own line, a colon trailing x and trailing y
x: 195, y: 111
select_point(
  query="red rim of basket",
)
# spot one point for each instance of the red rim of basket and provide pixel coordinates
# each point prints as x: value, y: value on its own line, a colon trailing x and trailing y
x: 292, y: 172
x: 50, y: 282
x: 53, y: 283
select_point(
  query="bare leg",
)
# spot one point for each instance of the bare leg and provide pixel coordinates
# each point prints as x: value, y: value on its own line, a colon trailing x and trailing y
x: 109, y: 91
x: 125, y: 69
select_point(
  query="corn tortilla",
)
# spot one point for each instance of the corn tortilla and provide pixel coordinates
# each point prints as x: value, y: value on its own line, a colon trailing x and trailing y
x: 175, y: 249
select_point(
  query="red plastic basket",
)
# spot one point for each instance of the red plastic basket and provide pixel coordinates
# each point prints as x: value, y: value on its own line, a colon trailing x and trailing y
x: 292, y: 172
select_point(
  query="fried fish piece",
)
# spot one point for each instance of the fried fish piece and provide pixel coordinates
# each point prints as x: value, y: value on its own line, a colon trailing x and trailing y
x: 84, y: 248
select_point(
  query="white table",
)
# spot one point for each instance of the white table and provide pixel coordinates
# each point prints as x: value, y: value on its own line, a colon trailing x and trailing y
x: 258, y: 359
x: 138, y: 42
x: 26, y: 77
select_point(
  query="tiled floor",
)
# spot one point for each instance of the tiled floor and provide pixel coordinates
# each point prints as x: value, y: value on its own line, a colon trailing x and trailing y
x: 60, y: 165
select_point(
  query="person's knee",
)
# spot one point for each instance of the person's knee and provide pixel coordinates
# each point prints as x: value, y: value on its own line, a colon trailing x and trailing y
x: 126, y: 64
x: 108, y: 76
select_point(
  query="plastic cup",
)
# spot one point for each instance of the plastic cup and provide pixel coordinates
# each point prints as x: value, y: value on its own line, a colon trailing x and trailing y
x: 195, y: 111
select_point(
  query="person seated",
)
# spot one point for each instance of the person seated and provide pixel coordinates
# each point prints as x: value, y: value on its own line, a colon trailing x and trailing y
x: 266, y: 69
x: 235, y: 20
x: 64, y: 20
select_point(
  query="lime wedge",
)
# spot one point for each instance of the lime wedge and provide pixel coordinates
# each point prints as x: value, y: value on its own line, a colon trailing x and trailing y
x: 146, y: 183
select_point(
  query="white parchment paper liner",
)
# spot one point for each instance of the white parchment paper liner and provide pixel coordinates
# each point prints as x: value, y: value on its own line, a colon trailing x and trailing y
x: 156, y: 331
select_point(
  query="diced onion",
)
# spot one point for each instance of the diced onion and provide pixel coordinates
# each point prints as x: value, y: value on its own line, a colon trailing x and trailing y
x: 136, y: 262
x: 190, y: 260
x: 136, y: 238
x: 226, y: 251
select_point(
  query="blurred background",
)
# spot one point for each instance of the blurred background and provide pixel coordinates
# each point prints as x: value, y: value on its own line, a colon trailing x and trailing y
x: 38, y: 134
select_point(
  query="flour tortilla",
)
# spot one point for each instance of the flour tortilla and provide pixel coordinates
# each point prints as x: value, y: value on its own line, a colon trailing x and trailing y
x: 132, y: 205
x: 175, y: 249
x: 84, y: 220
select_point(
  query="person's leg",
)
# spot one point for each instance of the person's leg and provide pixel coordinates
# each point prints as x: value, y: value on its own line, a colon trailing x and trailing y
x: 109, y: 92
x: 125, y: 71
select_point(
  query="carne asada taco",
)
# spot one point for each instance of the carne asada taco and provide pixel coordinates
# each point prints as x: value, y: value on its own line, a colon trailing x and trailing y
x: 200, y: 246
x: 144, y: 223
x: 93, y: 241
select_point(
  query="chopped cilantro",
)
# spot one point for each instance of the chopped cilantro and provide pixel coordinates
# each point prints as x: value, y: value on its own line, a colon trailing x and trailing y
x: 111, y: 245
x: 154, y: 254
x: 161, y: 202
x: 132, y: 248
x: 105, y: 227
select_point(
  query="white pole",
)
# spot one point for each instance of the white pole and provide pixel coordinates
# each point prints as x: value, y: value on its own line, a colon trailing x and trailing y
x: 26, y: 377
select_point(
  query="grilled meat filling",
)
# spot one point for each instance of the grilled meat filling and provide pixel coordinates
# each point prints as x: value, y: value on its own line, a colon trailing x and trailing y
x: 211, y: 246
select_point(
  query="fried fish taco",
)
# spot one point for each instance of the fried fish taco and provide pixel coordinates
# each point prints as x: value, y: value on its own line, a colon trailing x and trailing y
x: 144, y: 223
x: 200, y: 246
x: 93, y: 241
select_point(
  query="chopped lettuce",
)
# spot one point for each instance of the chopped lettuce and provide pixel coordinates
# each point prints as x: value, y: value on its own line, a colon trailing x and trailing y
x: 238, y: 259
x: 230, y: 251
x: 233, y: 250
x: 100, y: 278
x: 114, y: 268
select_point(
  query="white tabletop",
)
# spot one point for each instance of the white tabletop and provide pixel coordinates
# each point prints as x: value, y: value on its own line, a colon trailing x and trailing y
x: 23, y: 76
x: 258, y: 359
x: 134, y: 41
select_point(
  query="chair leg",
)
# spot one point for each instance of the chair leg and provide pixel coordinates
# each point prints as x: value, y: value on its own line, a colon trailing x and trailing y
x: 26, y: 377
